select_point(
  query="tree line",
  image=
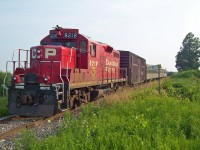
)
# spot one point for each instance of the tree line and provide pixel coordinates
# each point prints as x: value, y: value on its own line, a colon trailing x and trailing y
x: 188, y: 56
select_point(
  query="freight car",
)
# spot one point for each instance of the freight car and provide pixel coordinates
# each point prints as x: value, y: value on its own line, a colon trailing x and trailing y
x: 68, y: 69
x: 135, y: 65
x: 154, y: 72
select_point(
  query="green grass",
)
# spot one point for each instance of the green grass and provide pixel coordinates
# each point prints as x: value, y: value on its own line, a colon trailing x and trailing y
x: 181, y: 86
x: 3, y: 106
x: 188, y: 74
x: 142, y: 119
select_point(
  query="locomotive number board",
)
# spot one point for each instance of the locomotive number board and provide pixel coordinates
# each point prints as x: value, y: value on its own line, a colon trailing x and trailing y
x: 70, y: 35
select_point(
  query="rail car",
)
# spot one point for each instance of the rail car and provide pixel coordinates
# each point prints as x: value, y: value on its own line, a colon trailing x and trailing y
x: 66, y: 70
x: 154, y: 72
x: 135, y: 65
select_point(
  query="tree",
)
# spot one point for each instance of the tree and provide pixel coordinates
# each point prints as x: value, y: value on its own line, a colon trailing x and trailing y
x: 188, y: 56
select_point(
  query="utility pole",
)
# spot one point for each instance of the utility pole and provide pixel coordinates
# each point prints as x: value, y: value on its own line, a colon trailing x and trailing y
x: 159, y: 66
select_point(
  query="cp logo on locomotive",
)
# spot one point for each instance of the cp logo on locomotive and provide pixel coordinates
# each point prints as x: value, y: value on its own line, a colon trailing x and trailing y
x: 34, y: 53
x: 48, y: 52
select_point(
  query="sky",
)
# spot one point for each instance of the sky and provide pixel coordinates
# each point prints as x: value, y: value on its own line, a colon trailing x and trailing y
x: 152, y: 29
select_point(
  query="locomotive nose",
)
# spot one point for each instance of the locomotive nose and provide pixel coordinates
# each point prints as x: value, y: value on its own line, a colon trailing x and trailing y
x: 31, y: 78
x: 27, y: 99
x: 31, y: 98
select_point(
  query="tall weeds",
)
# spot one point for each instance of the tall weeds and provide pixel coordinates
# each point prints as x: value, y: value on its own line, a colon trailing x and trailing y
x: 3, y: 106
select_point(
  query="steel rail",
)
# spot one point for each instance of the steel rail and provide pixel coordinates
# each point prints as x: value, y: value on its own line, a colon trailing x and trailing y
x: 36, y: 123
x: 7, y: 118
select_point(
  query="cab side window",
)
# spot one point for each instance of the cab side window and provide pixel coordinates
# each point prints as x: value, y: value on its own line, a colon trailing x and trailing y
x: 93, y: 50
x: 83, y: 46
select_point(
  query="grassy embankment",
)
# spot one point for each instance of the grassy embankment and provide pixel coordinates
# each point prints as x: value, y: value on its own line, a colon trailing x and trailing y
x: 3, y: 106
x: 139, y: 119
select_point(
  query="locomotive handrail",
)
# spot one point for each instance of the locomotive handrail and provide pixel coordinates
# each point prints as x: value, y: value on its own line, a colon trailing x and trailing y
x: 19, y: 55
x: 70, y: 59
x: 4, y: 80
x: 25, y: 62
x: 18, y: 50
x: 67, y: 73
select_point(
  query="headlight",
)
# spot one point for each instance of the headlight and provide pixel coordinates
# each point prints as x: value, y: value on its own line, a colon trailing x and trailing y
x: 46, y: 78
x: 39, y: 55
x: 38, y: 51
x: 14, y: 78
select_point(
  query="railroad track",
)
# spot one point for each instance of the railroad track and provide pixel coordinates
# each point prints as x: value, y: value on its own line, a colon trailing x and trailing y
x: 6, y: 119
x: 14, y: 124
x: 19, y: 123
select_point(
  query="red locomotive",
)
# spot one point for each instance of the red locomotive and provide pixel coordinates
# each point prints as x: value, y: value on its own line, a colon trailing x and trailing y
x: 67, y: 69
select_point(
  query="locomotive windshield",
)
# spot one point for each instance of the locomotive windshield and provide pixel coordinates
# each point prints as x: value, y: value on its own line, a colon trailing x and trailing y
x: 57, y: 43
x: 70, y: 44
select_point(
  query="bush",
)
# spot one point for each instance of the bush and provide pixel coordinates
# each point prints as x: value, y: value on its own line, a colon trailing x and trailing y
x: 184, y: 85
x: 171, y: 73
x: 188, y: 74
x: 3, y: 92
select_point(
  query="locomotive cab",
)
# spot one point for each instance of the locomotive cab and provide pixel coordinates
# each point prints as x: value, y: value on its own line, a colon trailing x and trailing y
x: 69, y: 38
